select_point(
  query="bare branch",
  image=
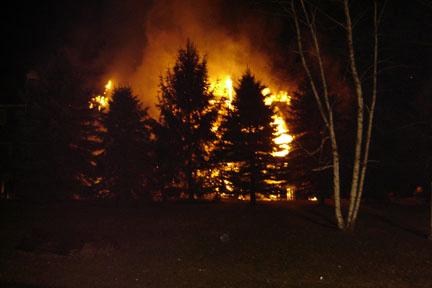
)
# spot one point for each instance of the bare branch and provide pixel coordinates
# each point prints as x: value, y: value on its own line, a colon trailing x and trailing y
x: 322, y: 168
x: 314, y: 35
x: 327, y: 15
x: 306, y: 66
x: 319, y: 149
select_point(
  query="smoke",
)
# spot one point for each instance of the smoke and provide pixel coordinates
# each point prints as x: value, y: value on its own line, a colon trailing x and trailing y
x: 134, y: 42
x: 233, y: 35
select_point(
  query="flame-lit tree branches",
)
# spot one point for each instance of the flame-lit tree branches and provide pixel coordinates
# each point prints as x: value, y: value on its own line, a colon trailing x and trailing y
x: 246, y: 141
x: 309, y: 158
x: 126, y: 159
x: 186, y: 119
x: 320, y: 90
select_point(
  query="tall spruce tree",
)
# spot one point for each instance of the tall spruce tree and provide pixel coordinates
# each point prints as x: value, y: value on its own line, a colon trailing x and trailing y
x: 310, y: 157
x: 54, y: 153
x: 246, y: 140
x: 310, y: 148
x: 186, y: 118
x: 126, y: 159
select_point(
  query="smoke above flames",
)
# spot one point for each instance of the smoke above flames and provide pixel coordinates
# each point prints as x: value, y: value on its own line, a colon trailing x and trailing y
x: 234, y: 36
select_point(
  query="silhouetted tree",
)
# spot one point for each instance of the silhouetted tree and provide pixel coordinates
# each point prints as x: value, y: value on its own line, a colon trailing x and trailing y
x: 169, y: 172
x: 126, y: 158
x: 310, y: 154
x: 55, y: 153
x: 186, y: 118
x: 246, y: 141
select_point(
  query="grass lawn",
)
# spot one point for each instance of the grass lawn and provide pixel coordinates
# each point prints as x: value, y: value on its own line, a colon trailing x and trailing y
x: 212, y: 245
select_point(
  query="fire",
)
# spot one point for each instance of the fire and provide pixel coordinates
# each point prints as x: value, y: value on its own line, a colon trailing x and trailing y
x: 282, y: 138
x: 290, y: 194
x: 224, y: 94
x: 223, y: 90
x: 101, y: 102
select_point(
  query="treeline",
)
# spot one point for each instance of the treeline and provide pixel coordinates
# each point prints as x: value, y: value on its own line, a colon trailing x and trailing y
x: 197, y: 147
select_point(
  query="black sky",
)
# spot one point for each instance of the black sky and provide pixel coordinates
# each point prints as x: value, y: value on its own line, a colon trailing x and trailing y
x: 33, y: 31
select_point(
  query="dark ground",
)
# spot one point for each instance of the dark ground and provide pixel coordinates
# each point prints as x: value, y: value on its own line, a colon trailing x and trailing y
x: 212, y: 245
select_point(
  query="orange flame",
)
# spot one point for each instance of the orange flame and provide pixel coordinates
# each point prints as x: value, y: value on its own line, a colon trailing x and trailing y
x: 282, y: 138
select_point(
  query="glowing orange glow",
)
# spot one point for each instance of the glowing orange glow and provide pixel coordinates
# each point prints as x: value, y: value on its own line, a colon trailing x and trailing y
x: 313, y: 199
x: 101, y: 102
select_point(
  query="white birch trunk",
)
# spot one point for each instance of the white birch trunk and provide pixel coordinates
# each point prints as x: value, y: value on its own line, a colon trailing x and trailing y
x: 326, y: 114
x: 362, y: 142
x: 370, y: 118
x: 360, y: 115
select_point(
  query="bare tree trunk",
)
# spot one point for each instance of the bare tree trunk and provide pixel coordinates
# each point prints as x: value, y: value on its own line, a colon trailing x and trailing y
x: 370, y: 119
x: 252, y: 198
x: 362, y: 140
x: 253, y: 183
x: 326, y: 114
x: 360, y: 115
x: 336, y: 181
x: 190, y: 182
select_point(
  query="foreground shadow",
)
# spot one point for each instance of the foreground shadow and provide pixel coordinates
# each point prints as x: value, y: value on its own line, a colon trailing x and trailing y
x: 313, y: 215
x: 391, y: 222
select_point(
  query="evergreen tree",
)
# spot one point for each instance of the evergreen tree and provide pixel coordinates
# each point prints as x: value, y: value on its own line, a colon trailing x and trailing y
x: 310, y: 148
x: 55, y: 153
x: 186, y: 118
x: 246, y: 140
x: 126, y: 158
x: 310, y: 156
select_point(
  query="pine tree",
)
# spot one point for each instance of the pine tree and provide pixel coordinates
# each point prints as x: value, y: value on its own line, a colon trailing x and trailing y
x: 310, y: 157
x: 126, y: 159
x: 246, y: 140
x: 186, y: 118
x: 53, y: 154
x: 310, y: 148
